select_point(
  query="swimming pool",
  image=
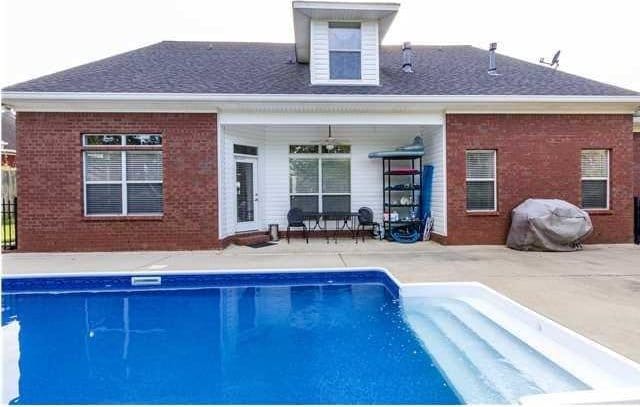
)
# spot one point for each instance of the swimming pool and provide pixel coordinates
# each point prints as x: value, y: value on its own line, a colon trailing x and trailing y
x: 355, y: 336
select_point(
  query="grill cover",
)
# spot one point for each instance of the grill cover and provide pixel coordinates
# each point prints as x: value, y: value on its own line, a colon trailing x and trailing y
x: 548, y: 225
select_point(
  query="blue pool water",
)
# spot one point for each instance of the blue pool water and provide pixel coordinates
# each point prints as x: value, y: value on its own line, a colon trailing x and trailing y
x: 338, y: 342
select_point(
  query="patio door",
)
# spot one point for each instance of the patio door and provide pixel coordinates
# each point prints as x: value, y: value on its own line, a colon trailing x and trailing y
x: 246, y: 194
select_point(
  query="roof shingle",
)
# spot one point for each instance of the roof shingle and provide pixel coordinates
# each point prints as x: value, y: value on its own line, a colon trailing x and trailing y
x: 265, y: 68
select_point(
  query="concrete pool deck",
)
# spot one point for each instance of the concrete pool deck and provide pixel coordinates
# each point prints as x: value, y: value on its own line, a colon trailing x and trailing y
x: 595, y: 292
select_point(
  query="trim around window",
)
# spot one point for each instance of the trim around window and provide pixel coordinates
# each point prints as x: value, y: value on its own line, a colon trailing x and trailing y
x: 481, y: 173
x: 323, y: 188
x: 595, y: 170
x: 122, y: 175
x: 345, y: 51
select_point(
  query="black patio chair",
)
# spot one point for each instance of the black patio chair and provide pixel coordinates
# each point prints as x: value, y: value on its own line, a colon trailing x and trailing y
x: 295, y: 219
x: 365, y: 220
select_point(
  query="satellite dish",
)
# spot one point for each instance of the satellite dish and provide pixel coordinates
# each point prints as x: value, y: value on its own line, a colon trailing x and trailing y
x: 555, y: 61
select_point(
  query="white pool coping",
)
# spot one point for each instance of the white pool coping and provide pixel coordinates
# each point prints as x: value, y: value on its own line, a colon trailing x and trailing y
x: 612, y: 377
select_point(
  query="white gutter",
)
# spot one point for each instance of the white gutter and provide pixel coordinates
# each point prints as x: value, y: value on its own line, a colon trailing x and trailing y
x: 8, y: 97
x: 318, y: 104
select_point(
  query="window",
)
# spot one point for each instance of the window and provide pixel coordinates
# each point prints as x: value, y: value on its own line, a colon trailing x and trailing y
x: 481, y: 180
x: 245, y: 150
x: 595, y: 179
x: 125, y: 180
x: 344, y: 50
x: 320, y: 180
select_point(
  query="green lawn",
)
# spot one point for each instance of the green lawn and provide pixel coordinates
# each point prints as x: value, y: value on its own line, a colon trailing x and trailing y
x: 8, y: 232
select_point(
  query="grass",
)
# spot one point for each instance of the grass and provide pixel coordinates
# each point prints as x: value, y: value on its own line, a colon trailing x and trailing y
x: 8, y: 232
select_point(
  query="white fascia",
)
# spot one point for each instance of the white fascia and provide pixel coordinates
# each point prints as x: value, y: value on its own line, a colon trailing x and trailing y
x: 194, y: 102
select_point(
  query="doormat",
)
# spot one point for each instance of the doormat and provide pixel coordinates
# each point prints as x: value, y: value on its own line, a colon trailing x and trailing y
x: 261, y: 245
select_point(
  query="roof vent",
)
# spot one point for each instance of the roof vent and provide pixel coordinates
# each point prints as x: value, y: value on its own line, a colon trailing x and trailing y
x: 492, y: 59
x: 407, y: 57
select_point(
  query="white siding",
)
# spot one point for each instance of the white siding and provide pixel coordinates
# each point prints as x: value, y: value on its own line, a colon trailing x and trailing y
x: 370, y: 53
x: 319, y: 57
x: 434, y: 155
x: 366, y: 174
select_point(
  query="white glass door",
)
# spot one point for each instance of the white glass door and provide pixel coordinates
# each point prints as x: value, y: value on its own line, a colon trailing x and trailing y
x: 246, y: 194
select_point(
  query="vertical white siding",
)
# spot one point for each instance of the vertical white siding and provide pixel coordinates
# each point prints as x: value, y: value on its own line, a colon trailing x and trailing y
x: 319, y: 56
x: 434, y: 149
x: 366, y: 174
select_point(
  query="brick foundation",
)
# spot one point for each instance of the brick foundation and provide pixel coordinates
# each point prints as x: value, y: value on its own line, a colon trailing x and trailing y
x: 50, y: 185
x: 538, y: 156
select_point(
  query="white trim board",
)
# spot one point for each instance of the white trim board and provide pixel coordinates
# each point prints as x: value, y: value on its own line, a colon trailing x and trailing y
x: 184, y: 102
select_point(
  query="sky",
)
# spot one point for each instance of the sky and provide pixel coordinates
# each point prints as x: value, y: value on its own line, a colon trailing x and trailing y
x: 598, y: 39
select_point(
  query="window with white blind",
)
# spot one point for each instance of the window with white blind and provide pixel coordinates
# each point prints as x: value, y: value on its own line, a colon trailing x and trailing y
x: 320, y: 178
x: 345, y: 48
x: 122, y: 180
x: 481, y: 180
x: 595, y: 179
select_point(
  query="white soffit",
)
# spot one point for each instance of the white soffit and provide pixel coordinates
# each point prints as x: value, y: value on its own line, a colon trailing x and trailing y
x: 305, y: 11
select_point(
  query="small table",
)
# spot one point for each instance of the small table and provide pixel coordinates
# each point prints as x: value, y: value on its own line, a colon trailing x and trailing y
x: 344, y: 221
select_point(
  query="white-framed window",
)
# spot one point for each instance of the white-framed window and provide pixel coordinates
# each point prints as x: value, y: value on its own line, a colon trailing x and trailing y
x: 595, y: 179
x: 122, y: 174
x: 481, y: 180
x: 345, y: 50
x: 320, y: 177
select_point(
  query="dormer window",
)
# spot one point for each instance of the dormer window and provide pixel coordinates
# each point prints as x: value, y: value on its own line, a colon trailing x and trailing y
x: 345, y: 48
x: 341, y: 40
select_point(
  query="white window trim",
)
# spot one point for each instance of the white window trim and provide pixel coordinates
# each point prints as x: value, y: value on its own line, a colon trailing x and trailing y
x: 92, y: 148
x: 607, y: 179
x: 320, y: 156
x: 494, y: 179
x: 357, y: 81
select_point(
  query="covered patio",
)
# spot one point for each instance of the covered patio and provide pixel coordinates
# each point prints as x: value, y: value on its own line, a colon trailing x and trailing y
x: 319, y: 163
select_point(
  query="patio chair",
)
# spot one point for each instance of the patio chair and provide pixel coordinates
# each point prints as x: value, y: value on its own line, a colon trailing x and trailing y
x: 365, y: 220
x: 295, y: 219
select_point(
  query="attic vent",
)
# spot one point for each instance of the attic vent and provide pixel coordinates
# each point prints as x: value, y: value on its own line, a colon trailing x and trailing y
x: 493, y: 70
x: 407, y: 57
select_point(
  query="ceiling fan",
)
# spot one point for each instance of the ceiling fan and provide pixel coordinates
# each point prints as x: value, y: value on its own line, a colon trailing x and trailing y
x: 330, y: 141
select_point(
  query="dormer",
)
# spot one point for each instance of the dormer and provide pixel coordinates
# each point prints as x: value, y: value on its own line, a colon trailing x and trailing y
x: 341, y: 41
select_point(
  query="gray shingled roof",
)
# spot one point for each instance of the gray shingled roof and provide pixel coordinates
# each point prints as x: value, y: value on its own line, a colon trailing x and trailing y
x: 264, y: 68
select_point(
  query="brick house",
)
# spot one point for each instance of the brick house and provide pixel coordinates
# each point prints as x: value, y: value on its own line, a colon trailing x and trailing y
x: 184, y: 145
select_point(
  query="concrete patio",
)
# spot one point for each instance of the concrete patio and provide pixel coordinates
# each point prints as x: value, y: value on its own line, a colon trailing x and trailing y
x: 595, y: 292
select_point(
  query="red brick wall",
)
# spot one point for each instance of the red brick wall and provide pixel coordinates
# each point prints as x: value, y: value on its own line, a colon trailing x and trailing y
x: 636, y: 163
x: 538, y: 156
x: 50, y: 184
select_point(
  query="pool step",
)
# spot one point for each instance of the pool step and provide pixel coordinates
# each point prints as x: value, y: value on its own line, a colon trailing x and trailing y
x: 505, y: 378
x: 535, y: 367
x: 503, y: 364
x: 454, y: 364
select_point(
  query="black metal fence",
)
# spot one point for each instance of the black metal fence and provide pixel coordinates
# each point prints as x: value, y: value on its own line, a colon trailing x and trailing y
x: 9, y: 224
x: 636, y: 219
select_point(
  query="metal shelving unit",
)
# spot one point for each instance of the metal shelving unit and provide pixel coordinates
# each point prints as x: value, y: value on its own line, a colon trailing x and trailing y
x: 411, y: 188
